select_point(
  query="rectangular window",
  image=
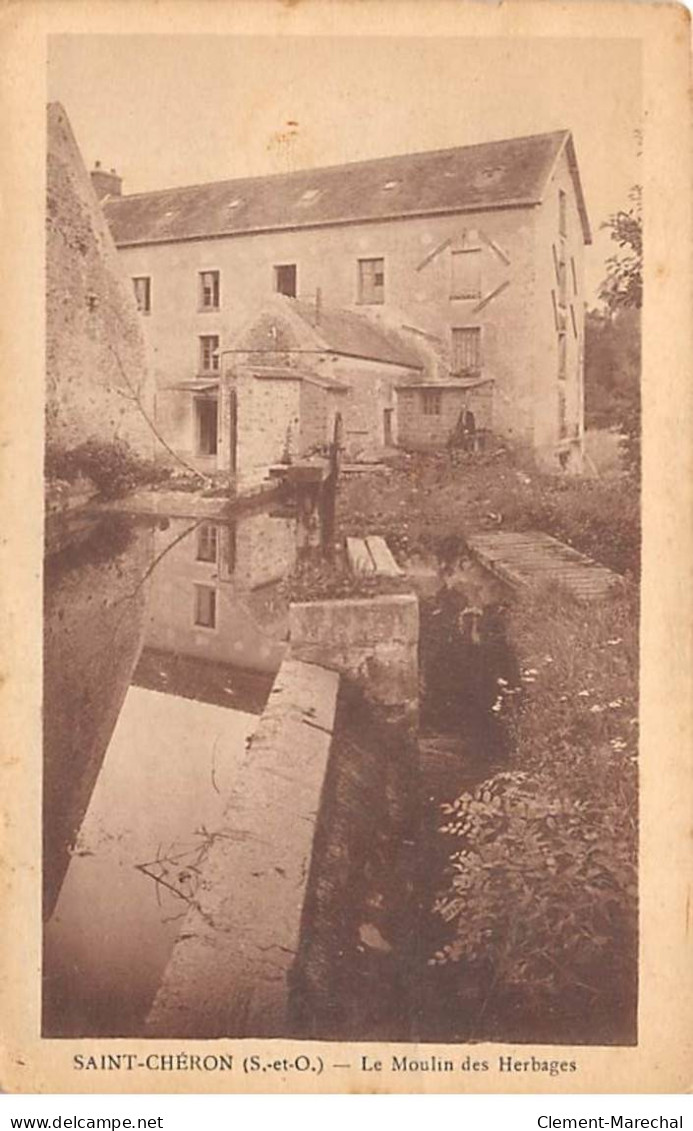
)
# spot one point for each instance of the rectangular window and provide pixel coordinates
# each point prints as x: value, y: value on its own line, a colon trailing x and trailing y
x: 562, y: 213
x: 207, y: 543
x: 285, y: 279
x: 205, y: 606
x: 371, y: 280
x: 466, y: 273
x: 466, y: 349
x: 209, y: 290
x: 573, y: 271
x: 143, y: 293
x: 207, y: 414
x: 432, y: 402
x: 209, y: 353
x: 562, y: 345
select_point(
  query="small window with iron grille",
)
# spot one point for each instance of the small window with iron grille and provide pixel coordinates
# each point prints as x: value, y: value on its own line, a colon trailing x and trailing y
x: 205, y: 614
x: 143, y: 293
x: 432, y: 402
x: 209, y: 290
x: 466, y: 349
x: 371, y: 280
x: 209, y: 353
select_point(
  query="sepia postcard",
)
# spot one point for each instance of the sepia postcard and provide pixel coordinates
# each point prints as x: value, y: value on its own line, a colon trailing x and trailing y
x: 347, y: 464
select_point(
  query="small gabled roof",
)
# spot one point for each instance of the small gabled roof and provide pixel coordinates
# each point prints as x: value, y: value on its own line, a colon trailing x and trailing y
x: 354, y: 335
x: 498, y: 174
x: 315, y: 329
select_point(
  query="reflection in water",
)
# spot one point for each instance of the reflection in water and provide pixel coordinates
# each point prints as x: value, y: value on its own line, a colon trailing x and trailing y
x: 199, y: 603
x: 94, y: 611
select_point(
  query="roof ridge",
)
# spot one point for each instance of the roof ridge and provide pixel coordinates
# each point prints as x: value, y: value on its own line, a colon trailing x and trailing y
x: 564, y: 133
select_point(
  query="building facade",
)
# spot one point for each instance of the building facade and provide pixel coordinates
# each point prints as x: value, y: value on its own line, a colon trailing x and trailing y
x: 467, y: 264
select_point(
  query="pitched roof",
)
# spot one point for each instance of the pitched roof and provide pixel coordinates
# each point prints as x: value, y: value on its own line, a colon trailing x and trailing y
x: 355, y: 335
x: 500, y: 174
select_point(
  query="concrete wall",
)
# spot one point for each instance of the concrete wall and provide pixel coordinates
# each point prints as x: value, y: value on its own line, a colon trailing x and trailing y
x: 95, y: 351
x: 374, y: 641
x: 230, y: 971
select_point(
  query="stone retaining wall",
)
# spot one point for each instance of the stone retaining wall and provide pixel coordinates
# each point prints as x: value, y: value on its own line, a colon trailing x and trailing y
x: 373, y: 640
x: 230, y: 971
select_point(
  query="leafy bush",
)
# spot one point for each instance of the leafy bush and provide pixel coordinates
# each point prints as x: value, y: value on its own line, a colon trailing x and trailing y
x: 114, y: 468
x: 538, y: 906
x: 543, y: 892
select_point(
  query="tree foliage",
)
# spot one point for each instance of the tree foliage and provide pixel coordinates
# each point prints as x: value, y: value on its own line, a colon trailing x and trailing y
x: 622, y: 286
x: 612, y: 336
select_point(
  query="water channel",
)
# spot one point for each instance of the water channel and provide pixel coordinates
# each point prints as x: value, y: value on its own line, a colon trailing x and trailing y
x: 162, y: 639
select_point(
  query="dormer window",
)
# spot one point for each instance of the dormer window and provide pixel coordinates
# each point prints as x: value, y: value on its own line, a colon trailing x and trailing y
x: 390, y: 185
x: 309, y: 196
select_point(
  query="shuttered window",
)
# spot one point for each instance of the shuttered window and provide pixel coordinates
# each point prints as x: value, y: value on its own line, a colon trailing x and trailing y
x: 466, y: 349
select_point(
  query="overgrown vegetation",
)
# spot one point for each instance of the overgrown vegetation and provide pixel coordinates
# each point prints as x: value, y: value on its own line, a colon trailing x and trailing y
x: 612, y: 336
x: 534, y: 882
x: 114, y: 468
x: 540, y: 902
x: 426, y: 496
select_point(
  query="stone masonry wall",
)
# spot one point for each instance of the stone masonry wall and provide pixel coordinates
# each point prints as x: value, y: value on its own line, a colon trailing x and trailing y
x: 96, y: 362
x: 420, y: 431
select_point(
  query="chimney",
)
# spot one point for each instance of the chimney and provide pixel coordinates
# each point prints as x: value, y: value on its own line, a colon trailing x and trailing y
x: 105, y: 184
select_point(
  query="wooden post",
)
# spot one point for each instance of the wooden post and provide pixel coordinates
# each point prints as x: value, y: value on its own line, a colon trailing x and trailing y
x: 328, y: 493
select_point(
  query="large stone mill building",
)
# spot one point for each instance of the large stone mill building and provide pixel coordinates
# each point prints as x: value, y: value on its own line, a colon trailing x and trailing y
x: 398, y: 292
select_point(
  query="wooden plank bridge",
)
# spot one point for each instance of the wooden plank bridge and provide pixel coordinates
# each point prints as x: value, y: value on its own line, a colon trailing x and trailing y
x: 531, y: 558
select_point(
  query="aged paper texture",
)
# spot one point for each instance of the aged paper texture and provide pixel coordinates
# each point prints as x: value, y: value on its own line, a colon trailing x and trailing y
x: 327, y: 762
